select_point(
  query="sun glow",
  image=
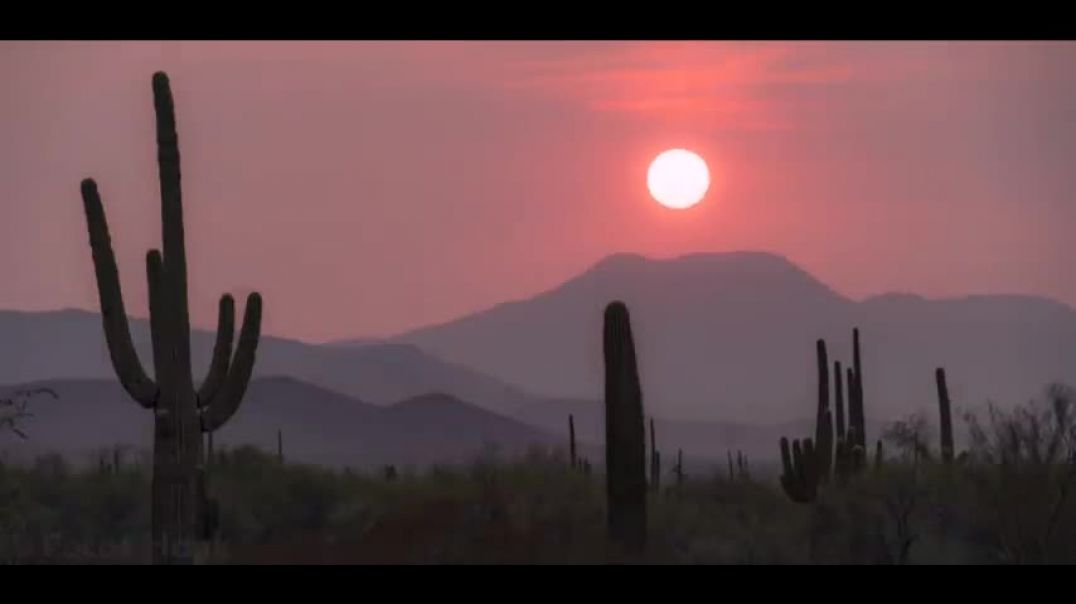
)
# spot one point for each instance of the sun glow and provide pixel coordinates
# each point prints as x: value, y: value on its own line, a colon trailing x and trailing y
x: 678, y: 179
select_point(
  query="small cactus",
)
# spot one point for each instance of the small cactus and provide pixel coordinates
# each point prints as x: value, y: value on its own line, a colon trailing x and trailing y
x: 946, y: 419
x: 799, y: 476
x: 571, y: 441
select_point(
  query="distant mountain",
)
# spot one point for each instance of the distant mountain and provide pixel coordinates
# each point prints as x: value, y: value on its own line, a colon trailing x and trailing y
x: 700, y: 440
x: 70, y: 344
x: 730, y: 336
x: 318, y: 425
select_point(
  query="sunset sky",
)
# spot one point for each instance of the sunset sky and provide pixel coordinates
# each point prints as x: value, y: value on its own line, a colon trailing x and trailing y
x: 369, y: 188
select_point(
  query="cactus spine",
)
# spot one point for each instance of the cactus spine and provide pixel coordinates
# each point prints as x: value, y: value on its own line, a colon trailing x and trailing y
x: 946, y: 419
x: 625, y: 436
x: 181, y: 414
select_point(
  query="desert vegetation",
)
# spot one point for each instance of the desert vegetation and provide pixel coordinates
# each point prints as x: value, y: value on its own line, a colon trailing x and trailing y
x: 1010, y: 501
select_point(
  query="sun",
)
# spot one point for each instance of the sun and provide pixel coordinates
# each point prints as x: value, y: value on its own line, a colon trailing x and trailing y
x: 678, y: 178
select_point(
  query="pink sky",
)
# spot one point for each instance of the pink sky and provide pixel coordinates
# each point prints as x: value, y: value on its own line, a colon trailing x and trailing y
x: 368, y: 188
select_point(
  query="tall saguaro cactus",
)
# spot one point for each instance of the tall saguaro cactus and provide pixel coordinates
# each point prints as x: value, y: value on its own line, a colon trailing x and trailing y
x: 181, y: 413
x: 625, y: 433
x: 946, y: 418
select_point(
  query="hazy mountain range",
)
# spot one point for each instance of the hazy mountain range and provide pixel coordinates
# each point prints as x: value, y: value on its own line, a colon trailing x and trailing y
x: 731, y: 336
x: 317, y: 425
x: 725, y: 343
x: 70, y: 344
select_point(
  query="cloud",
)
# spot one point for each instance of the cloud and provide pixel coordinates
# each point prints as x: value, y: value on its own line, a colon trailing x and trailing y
x: 719, y: 85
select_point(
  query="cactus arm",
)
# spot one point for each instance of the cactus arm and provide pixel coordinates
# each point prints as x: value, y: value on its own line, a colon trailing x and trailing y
x: 158, y: 321
x: 113, y: 314
x: 226, y: 402
x: 175, y: 255
x: 222, y: 351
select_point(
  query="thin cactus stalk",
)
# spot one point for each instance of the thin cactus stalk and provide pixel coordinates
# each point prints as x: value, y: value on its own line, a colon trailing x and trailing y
x: 838, y: 391
x: 741, y: 466
x: 823, y: 432
x: 841, y: 466
x: 280, y: 446
x: 655, y: 470
x: 625, y: 434
x: 181, y: 413
x: 571, y: 441
x: 655, y: 460
x: 209, y: 449
x: 857, y: 414
x: 879, y: 456
x: 732, y: 474
x: 946, y: 419
x: 679, y: 467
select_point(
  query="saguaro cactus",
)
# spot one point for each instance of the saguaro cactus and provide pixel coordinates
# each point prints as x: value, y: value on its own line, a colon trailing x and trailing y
x: 571, y: 441
x: 856, y: 416
x: 823, y: 431
x: 655, y: 460
x: 625, y: 434
x: 181, y: 413
x: 799, y: 475
x: 838, y: 403
x: 946, y: 419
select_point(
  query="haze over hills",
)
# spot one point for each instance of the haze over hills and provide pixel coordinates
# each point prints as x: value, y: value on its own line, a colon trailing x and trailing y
x: 731, y: 336
x: 319, y: 426
x: 721, y: 337
x: 70, y: 344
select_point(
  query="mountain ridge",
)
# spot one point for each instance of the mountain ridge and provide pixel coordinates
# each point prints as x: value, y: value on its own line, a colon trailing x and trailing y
x: 717, y: 330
